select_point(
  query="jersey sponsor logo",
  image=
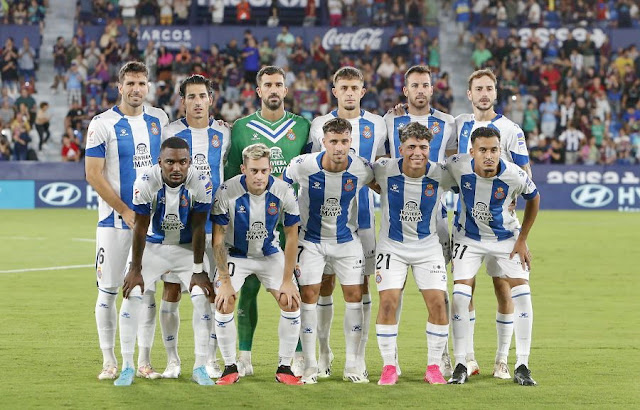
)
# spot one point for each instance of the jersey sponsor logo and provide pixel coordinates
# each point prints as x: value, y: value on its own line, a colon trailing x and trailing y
x: 183, y: 201
x: 499, y: 194
x: 171, y: 222
x: 411, y: 212
x: 272, y: 209
x: 59, y: 194
x: 348, y: 186
x: 435, y: 128
x: 331, y: 208
x: 366, y: 132
x: 257, y: 232
x: 141, y: 149
x: 291, y: 136
x: 154, y: 128
x: 278, y: 162
x: 215, y: 142
x: 481, y: 212
x: 201, y: 164
x: 91, y: 138
x: 429, y: 191
x: 592, y: 196
x: 142, y: 158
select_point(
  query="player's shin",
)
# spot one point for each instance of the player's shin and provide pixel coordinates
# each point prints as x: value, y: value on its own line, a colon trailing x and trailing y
x: 460, y: 321
x: 309, y: 326
x: 352, y: 331
x: 504, y: 328
x: 170, y: 324
x: 523, y: 322
x: 289, y: 333
x: 129, y: 312
x: 146, y: 328
x: 201, y: 325
x: 226, y: 333
x: 472, y: 328
x: 325, y: 318
x: 106, y: 320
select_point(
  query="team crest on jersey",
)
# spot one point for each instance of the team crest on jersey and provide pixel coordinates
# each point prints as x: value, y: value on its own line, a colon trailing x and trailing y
x: 429, y: 191
x: 411, y: 212
x: 257, y: 232
x: 348, y: 186
x: 99, y: 272
x: 297, y: 271
x: 378, y: 277
x: 366, y: 132
x: 481, y: 212
x: 183, y: 201
x: 272, y: 209
x: 154, y: 128
x: 435, y: 128
x: 291, y: 136
x: 215, y: 142
x: 499, y: 194
x: 331, y: 208
x: 172, y: 222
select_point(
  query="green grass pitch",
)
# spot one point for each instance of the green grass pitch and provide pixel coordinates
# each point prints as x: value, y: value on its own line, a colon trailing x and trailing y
x: 585, y: 342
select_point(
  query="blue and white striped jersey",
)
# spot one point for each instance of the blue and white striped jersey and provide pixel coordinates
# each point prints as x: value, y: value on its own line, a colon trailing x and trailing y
x: 513, y: 145
x: 328, y: 206
x: 129, y: 145
x: 252, y: 220
x: 409, y: 205
x: 209, y: 148
x: 170, y: 208
x: 368, y: 136
x: 484, y: 202
x: 442, y: 126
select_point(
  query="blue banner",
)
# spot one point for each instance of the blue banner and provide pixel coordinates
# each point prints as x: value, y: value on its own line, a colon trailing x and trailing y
x: 18, y: 32
x: 16, y: 195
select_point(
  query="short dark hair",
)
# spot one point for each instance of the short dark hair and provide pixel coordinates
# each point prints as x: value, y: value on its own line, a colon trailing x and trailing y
x: 418, y: 69
x: 484, y: 132
x: 175, y: 143
x: 194, y: 79
x: 337, y: 126
x: 348, y: 73
x: 415, y: 130
x: 132, y: 67
x: 269, y: 70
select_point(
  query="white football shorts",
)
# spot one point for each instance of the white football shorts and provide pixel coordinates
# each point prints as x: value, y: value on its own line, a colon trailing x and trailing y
x: 345, y: 260
x: 170, y: 263
x: 268, y: 269
x: 112, y: 248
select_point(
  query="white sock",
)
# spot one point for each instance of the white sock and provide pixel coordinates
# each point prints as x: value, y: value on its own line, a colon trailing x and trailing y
x: 169, y: 325
x: 504, y: 327
x: 146, y: 328
x: 129, y: 311
x: 522, y: 323
x: 387, y: 338
x: 226, y: 333
x: 460, y: 321
x: 106, y: 320
x: 352, y: 331
x: 366, y: 322
x: 201, y: 320
x: 213, y: 341
x: 325, y: 318
x: 288, y: 333
x: 309, y: 325
x: 245, y: 355
x: 437, y: 336
x: 472, y: 328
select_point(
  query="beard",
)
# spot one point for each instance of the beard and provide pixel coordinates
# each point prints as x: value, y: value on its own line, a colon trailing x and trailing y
x: 272, y: 105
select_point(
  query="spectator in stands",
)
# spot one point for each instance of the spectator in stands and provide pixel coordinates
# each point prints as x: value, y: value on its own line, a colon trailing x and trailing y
x: 147, y: 11
x: 531, y: 117
x: 232, y: 51
x: 5, y: 148
x: 243, y: 12
x: 233, y: 79
x: 384, y: 71
x: 250, y: 61
x: 286, y: 37
x: 74, y: 84
x: 217, y: 11
x: 281, y: 54
x: 70, y: 151
x: 480, y: 55
x: 75, y: 116
x: 181, y: 11
x: 166, y: 12
x: 299, y: 55
x: 19, y: 13
x: 7, y: 113
x: 573, y: 139
x: 231, y: 111
x: 380, y: 16
x: 128, y: 11
x: 43, y: 119
x: 549, y: 111
x: 608, y: 152
x: 399, y: 43
x: 266, y: 52
x: 9, y: 66
x: 335, y: 12
x: 182, y: 65
x: 27, y: 62
x: 310, y: 12
x: 274, y: 19
x: 26, y: 99
x: 397, y: 17
x: 21, y: 140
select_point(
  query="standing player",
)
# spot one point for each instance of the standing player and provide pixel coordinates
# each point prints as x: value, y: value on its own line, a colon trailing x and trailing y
x: 411, y: 188
x: 485, y: 230
x: 482, y: 93
x: 246, y: 213
x: 286, y: 136
x: 209, y: 143
x: 121, y: 143
x: 330, y: 182
x: 172, y: 202
x: 418, y: 89
x: 368, y: 136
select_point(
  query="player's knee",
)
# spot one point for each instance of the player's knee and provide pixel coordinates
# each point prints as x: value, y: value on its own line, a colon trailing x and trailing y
x: 388, y: 307
x: 352, y: 293
x: 309, y: 294
x: 437, y: 309
x: 171, y: 292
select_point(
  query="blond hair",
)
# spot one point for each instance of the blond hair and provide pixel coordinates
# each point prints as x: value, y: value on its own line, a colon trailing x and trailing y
x: 255, y: 151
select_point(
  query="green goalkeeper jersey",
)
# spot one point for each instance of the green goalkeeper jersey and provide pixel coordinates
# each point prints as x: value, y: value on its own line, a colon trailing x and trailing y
x: 285, y: 137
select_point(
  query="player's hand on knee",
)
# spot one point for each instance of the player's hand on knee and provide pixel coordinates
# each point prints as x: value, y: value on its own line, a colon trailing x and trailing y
x: 225, y: 297
x: 288, y: 296
x: 201, y: 279
x: 129, y: 217
x: 523, y: 252
x: 131, y: 280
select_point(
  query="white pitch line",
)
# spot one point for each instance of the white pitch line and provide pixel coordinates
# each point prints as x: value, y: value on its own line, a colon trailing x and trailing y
x: 49, y: 268
x: 83, y: 240
x: 24, y: 238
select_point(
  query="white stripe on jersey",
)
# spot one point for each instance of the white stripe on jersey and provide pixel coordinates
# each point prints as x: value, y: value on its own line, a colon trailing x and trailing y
x: 442, y: 126
x: 485, y: 202
x: 328, y: 199
x: 513, y: 145
x: 129, y: 145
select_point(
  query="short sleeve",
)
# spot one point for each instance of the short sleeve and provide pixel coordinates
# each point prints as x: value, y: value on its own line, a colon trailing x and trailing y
x: 203, y: 194
x: 517, y: 146
x: 290, y: 174
x: 220, y: 208
x: 97, y: 136
x: 290, y: 208
x: 452, y: 137
x: 314, y: 142
x: 143, y: 194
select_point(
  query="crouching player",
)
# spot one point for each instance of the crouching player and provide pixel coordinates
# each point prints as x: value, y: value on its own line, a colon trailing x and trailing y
x: 410, y: 191
x: 486, y: 231
x: 246, y: 211
x: 172, y: 201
